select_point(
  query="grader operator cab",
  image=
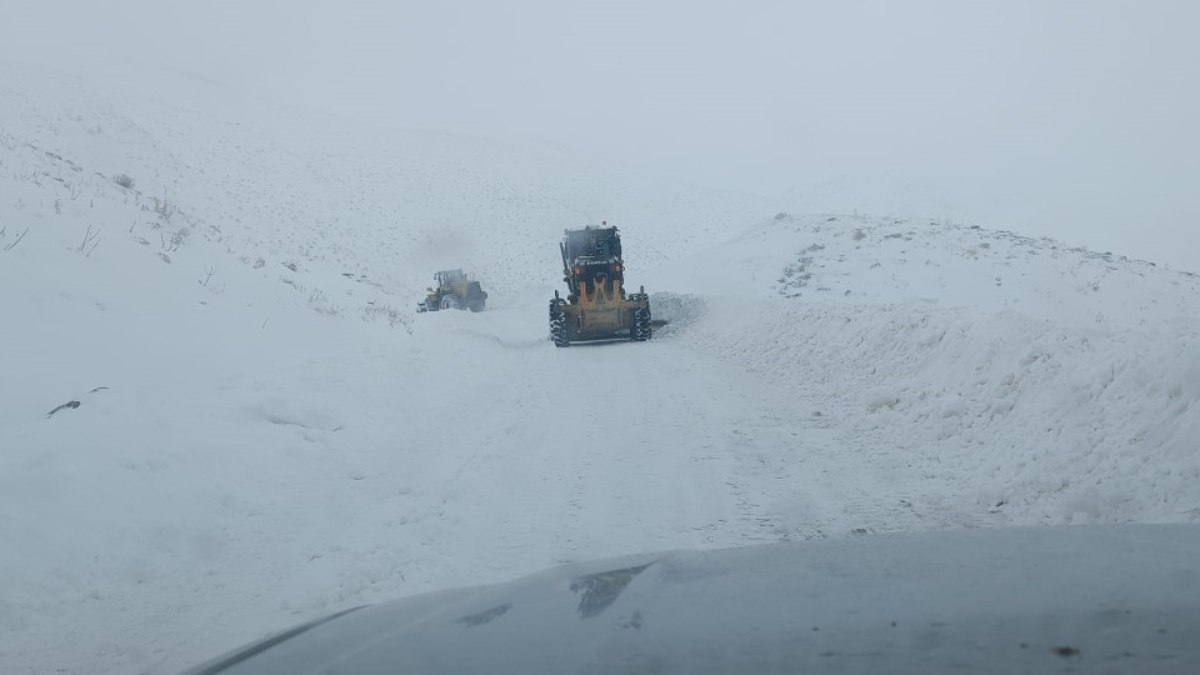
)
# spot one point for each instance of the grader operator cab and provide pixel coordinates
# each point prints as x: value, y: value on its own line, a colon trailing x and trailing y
x: 455, y: 290
x: 597, y: 306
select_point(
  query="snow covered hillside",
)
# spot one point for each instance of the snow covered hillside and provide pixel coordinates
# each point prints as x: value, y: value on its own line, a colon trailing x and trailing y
x: 258, y: 429
x: 1033, y: 383
x: 291, y: 186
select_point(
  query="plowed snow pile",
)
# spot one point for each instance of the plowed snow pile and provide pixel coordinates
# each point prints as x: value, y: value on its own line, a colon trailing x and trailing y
x: 1039, y: 384
x: 220, y: 414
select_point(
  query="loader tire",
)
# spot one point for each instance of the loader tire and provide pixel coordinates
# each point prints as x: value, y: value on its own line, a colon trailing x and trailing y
x: 558, y: 324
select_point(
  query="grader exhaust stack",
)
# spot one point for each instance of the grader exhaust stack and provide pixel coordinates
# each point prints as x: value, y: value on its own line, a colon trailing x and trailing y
x: 597, y: 306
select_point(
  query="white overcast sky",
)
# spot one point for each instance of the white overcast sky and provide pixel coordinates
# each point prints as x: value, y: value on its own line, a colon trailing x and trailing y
x: 1075, y: 119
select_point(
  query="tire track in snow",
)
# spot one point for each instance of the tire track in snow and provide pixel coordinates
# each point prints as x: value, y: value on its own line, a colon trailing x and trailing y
x: 523, y: 457
x: 587, y: 452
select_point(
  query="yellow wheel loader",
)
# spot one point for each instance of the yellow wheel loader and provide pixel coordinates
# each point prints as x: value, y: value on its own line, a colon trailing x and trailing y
x: 455, y: 290
x: 597, y: 306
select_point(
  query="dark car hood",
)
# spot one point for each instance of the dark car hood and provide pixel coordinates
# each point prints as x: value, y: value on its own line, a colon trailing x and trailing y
x: 1081, y: 599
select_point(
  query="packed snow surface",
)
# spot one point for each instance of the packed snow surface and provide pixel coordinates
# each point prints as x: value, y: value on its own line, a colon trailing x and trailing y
x: 220, y: 414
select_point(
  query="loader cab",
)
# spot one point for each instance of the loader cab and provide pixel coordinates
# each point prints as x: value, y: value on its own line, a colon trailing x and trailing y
x: 447, y: 277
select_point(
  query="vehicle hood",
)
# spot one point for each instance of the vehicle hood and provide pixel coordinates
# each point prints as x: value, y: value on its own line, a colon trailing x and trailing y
x: 1085, y: 599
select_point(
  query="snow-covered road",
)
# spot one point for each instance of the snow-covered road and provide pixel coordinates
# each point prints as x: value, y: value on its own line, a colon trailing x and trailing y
x: 317, y: 464
x: 555, y: 455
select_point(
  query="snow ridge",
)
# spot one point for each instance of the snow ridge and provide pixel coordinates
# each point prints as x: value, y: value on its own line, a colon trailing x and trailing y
x: 1041, y: 384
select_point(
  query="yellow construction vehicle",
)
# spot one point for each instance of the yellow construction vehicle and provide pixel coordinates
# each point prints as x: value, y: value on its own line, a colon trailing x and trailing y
x: 455, y: 290
x: 597, y: 306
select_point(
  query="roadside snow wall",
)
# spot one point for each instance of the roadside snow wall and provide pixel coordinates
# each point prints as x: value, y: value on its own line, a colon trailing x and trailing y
x: 1037, y: 420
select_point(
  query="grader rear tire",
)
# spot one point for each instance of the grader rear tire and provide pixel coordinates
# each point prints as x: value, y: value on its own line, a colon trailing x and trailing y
x: 558, y: 324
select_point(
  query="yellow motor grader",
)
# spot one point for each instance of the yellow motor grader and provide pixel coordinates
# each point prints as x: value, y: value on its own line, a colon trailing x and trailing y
x: 597, y: 307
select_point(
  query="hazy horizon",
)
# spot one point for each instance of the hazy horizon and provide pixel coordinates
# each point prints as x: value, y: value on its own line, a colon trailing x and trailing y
x: 1065, y: 119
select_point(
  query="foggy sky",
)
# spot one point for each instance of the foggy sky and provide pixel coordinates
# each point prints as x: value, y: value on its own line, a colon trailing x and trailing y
x: 1071, y: 119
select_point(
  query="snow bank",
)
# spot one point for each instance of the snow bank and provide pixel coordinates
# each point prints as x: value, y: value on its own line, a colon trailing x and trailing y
x: 1043, y: 385
x: 678, y: 310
